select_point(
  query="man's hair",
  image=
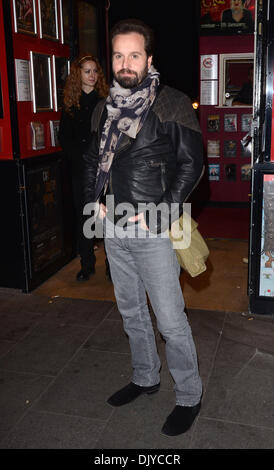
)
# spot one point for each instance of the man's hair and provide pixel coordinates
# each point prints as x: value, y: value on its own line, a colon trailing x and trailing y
x: 133, y: 25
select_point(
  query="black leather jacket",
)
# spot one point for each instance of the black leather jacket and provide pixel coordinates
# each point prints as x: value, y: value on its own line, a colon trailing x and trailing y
x: 163, y: 164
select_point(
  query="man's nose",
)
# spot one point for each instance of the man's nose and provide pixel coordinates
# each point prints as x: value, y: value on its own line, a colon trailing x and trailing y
x: 126, y: 63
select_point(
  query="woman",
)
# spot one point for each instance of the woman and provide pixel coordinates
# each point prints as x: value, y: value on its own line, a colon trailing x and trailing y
x: 237, y: 14
x: 85, y: 86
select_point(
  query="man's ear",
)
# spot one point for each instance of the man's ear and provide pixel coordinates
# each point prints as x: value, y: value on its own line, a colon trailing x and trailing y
x: 149, y: 61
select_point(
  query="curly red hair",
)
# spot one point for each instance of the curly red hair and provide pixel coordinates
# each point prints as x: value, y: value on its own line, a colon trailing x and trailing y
x: 73, y: 85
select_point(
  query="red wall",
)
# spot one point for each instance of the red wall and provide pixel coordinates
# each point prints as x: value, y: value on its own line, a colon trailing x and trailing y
x: 223, y: 190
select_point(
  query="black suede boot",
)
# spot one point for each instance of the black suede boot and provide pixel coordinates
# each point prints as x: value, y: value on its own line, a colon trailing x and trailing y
x: 129, y: 393
x: 180, y: 420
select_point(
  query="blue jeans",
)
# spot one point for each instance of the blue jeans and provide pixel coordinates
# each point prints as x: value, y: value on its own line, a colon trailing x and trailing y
x: 149, y: 265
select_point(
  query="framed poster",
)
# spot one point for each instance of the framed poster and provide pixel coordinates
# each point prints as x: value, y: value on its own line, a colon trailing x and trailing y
x: 213, y: 122
x: 48, y: 20
x: 41, y: 86
x: 60, y: 73
x: 230, y: 122
x: 64, y: 21
x: 227, y: 17
x: 230, y: 148
x: 209, y: 67
x: 24, y: 14
x: 246, y: 172
x: 209, y: 92
x: 267, y: 238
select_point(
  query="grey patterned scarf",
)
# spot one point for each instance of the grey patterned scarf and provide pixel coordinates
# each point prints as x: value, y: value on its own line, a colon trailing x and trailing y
x: 127, y: 109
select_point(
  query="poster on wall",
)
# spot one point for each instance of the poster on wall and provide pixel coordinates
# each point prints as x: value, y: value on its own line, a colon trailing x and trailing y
x: 24, y: 14
x: 214, y: 172
x: 227, y: 17
x: 267, y: 239
x: 54, y: 130
x: 48, y: 19
x: 41, y: 82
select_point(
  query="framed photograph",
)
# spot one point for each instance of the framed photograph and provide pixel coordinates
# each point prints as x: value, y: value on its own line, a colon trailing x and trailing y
x: 24, y: 14
x: 61, y: 67
x: 246, y: 121
x: 64, y: 21
x: 214, y: 172
x: 38, y: 135
x: 230, y: 148
x: 213, y: 123
x: 225, y: 18
x: 230, y: 122
x: 230, y: 172
x: 54, y: 129
x: 41, y: 86
x: 213, y: 148
x: 48, y: 20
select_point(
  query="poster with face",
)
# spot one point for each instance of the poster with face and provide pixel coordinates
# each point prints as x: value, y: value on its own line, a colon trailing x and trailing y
x: 41, y: 82
x: 1, y: 101
x: 24, y: 16
x: 227, y: 17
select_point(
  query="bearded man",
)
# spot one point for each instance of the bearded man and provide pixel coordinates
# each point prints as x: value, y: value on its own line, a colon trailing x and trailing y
x: 156, y: 159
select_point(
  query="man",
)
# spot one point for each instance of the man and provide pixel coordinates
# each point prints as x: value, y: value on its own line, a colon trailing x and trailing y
x: 155, y: 158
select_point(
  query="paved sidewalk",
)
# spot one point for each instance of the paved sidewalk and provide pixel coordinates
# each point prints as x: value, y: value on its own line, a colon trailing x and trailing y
x: 61, y: 358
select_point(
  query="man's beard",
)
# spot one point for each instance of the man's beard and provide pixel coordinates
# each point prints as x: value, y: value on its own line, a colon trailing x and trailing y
x: 133, y: 81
